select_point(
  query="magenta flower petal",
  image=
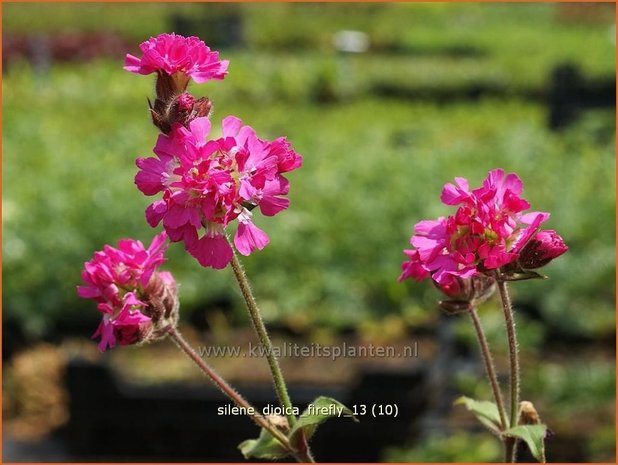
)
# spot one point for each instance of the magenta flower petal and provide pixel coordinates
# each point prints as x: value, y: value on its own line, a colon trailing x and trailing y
x: 231, y: 125
x: 270, y: 205
x: 131, y: 326
x: 152, y: 175
x: 106, y: 332
x: 155, y: 212
x: 132, y: 64
x: 212, y: 252
x: 453, y: 195
x: 413, y: 268
x: 249, y: 238
x: 88, y: 292
x: 200, y: 128
x: 172, y: 53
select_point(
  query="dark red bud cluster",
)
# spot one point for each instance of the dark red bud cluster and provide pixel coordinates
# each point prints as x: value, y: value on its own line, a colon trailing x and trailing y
x: 173, y: 104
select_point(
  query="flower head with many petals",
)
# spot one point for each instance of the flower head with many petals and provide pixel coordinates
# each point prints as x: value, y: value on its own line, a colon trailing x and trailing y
x: 178, y: 56
x: 488, y: 231
x: 134, y: 298
x: 206, y: 184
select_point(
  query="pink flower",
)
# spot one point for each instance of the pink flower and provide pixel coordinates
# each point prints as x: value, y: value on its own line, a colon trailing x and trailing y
x: 172, y: 54
x: 112, y: 271
x: 206, y: 184
x: 487, y: 231
x: 542, y: 248
x: 132, y: 296
x: 129, y: 326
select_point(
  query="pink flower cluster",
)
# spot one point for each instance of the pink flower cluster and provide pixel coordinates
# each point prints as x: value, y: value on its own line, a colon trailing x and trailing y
x: 488, y: 231
x: 171, y: 53
x: 206, y: 184
x: 116, y: 278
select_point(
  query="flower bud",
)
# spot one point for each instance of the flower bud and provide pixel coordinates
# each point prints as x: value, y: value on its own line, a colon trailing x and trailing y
x: 162, y: 303
x: 541, y: 249
x: 465, y: 293
x: 182, y: 109
x: 528, y: 414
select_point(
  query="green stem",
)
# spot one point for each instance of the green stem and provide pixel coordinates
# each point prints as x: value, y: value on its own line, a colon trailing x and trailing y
x: 507, y: 308
x: 228, y: 390
x: 260, y: 329
x: 489, y: 367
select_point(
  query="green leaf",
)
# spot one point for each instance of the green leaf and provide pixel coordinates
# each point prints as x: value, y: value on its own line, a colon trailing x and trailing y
x: 320, y: 410
x: 264, y: 447
x: 533, y: 436
x: 486, y: 412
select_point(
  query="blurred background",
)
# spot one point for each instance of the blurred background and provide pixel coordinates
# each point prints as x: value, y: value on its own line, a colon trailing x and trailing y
x: 386, y: 102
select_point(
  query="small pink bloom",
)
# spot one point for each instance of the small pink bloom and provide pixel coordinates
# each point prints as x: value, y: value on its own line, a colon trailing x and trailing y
x: 172, y: 53
x: 120, y: 279
x: 128, y: 266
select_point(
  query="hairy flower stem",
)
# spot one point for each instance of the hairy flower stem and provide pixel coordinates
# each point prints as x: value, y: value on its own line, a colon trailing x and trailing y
x: 260, y: 329
x: 227, y: 389
x: 514, y: 363
x: 489, y: 367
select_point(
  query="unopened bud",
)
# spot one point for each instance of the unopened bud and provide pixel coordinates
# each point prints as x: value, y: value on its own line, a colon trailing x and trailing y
x: 161, y: 297
x: 528, y: 414
x: 541, y: 249
x: 185, y: 102
x: 182, y: 109
x: 466, y: 293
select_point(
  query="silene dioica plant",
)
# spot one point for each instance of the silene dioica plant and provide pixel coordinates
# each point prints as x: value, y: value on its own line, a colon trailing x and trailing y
x: 204, y: 185
x: 487, y: 243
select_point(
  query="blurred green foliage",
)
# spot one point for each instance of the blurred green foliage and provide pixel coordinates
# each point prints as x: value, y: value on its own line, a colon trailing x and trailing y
x: 373, y: 167
x: 452, y: 448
